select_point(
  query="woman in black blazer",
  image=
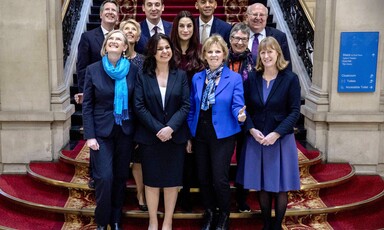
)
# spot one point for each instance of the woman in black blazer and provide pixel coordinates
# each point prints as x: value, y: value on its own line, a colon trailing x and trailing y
x: 269, y: 162
x: 161, y: 105
x: 108, y: 126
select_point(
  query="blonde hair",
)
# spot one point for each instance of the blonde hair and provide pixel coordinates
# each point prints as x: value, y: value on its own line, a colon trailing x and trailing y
x: 271, y: 43
x: 214, y: 39
x: 132, y: 21
x: 103, y: 49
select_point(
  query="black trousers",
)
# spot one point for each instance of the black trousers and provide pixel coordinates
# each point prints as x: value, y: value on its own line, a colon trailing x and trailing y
x: 110, y: 168
x: 241, y: 193
x: 213, y: 159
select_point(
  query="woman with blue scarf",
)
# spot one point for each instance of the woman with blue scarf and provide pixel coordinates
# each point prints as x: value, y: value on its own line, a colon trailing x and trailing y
x: 217, y: 109
x: 109, y: 126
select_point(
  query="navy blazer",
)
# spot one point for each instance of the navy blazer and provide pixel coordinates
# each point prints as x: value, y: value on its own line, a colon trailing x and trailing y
x: 99, y: 92
x: 218, y: 27
x: 150, y: 112
x: 88, y: 52
x: 229, y: 99
x: 145, y: 35
x: 281, y: 37
x: 281, y: 110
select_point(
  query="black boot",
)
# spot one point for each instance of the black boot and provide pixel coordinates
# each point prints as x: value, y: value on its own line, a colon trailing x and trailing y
x: 208, y: 220
x: 223, y: 222
x: 116, y: 226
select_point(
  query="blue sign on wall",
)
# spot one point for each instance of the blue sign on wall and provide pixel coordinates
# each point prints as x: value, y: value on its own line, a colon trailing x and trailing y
x: 358, y: 61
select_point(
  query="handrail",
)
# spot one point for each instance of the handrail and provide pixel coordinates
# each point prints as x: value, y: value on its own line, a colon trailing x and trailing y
x: 307, y: 13
x: 64, y: 9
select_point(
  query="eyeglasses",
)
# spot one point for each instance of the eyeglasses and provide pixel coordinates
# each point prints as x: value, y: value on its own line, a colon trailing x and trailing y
x: 260, y: 15
x: 237, y: 39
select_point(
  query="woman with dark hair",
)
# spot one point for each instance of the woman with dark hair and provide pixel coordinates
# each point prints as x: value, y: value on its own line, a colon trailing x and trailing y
x: 184, y: 36
x: 161, y: 104
x: 109, y: 125
x: 269, y: 163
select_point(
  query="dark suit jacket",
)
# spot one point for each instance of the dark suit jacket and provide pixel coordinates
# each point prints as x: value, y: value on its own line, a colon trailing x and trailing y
x: 88, y: 52
x: 99, y: 91
x: 145, y: 35
x: 281, y: 110
x: 149, y: 108
x: 281, y: 37
x: 229, y: 99
x: 218, y: 27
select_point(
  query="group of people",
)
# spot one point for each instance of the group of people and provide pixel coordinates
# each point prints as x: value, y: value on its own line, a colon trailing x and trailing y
x: 177, y: 99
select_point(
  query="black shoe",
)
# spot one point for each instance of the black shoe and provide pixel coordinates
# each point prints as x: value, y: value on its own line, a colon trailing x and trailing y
x: 99, y: 227
x: 143, y: 207
x: 244, y: 207
x: 91, y: 183
x: 223, y: 221
x: 208, y: 220
x: 116, y: 226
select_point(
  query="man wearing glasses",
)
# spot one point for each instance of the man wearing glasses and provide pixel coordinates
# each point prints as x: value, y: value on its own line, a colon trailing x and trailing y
x: 256, y: 19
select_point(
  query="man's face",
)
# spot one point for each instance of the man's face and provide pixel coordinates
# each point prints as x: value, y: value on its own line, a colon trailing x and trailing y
x: 153, y: 9
x: 257, y: 18
x: 206, y: 7
x: 109, y: 15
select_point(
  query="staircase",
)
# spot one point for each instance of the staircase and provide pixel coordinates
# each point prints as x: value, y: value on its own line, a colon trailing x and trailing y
x: 56, y: 195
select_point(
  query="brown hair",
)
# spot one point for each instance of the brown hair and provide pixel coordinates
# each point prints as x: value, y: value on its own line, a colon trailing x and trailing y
x: 271, y: 43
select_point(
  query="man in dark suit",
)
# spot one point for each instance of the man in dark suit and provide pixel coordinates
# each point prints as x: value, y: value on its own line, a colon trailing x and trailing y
x: 256, y: 18
x: 208, y: 24
x: 91, y: 41
x: 152, y: 23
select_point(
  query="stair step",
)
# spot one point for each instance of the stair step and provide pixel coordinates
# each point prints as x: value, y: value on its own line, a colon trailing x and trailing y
x: 358, y: 192
x: 18, y: 217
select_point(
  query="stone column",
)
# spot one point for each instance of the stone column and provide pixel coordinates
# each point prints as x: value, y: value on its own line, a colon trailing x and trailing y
x: 35, y: 108
x: 347, y: 127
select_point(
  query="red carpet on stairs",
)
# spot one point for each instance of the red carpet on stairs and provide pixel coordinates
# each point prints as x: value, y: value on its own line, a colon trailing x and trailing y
x: 18, y: 217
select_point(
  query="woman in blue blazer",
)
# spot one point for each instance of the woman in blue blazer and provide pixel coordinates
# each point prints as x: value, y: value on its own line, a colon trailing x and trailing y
x: 217, y: 106
x: 269, y: 162
x: 109, y: 126
x: 161, y: 106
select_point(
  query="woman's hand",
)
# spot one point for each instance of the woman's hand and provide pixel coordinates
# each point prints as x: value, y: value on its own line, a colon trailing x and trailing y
x: 257, y: 135
x: 242, y: 116
x: 92, y: 144
x: 270, y: 139
x: 189, y: 146
x: 165, y: 134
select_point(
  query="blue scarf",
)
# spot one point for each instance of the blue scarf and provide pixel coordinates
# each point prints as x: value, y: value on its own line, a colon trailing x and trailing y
x: 209, y: 92
x: 119, y: 74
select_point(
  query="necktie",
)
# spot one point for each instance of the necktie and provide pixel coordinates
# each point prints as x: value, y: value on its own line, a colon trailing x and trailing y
x: 155, y: 29
x: 204, y: 35
x: 255, y: 46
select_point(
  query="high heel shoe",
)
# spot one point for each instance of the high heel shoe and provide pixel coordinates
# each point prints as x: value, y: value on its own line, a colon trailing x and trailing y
x: 143, y: 207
